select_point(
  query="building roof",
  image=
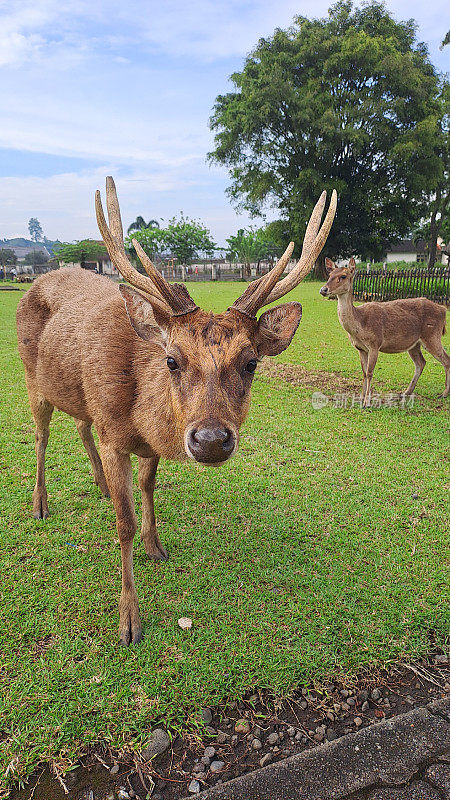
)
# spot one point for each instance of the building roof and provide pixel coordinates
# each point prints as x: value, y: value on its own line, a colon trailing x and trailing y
x: 408, y: 246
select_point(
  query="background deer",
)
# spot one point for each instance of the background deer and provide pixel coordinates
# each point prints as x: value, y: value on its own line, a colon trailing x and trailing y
x: 393, y: 327
x: 155, y: 374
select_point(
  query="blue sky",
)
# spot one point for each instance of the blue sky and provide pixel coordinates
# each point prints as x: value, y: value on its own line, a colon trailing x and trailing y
x: 89, y: 89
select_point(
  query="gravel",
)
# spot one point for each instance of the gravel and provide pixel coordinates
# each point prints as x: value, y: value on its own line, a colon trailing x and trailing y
x: 206, y: 715
x: 273, y: 738
x: 194, y: 787
x: 216, y: 766
x: 158, y: 743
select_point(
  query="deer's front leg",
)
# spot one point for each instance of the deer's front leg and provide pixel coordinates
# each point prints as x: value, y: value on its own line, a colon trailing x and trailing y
x: 117, y: 468
x: 150, y: 538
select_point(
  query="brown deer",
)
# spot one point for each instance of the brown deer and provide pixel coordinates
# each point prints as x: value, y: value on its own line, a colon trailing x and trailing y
x: 155, y: 374
x: 396, y: 326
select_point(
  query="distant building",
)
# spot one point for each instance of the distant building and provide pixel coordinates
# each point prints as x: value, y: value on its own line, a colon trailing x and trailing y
x: 413, y: 252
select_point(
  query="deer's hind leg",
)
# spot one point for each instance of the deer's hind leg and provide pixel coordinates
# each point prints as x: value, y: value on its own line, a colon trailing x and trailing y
x: 434, y: 346
x: 42, y: 412
x: 363, y: 356
x: 419, y: 363
x: 371, y: 362
x: 85, y: 431
x: 152, y: 543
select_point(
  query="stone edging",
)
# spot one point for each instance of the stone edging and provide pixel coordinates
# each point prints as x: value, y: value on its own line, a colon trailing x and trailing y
x: 388, y: 753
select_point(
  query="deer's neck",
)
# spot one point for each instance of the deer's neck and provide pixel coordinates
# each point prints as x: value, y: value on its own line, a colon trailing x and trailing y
x: 346, y: 311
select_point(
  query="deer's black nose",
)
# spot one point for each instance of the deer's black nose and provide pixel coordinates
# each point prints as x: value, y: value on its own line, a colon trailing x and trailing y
x: 211, y: 443
x: 323, y: 291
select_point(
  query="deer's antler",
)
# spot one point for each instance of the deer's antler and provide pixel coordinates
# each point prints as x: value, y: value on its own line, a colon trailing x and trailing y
x: 173, y: 298
x: 266, y: 289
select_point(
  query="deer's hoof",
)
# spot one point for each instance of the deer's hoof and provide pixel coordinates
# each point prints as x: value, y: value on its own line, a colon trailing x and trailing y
x: 155, y: 550
x: 158, y: 554
x: 130, y: 628
x: 128, y: 639
x: 40, y: 507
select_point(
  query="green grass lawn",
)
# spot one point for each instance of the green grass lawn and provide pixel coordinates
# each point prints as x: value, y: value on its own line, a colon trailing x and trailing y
x: 305, y: 557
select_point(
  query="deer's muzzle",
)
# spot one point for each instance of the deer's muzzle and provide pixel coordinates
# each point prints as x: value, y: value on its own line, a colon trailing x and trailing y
x: 210, y: 442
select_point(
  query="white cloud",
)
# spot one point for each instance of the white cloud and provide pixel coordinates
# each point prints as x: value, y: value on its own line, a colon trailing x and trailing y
x: 130, y: 86
x: 64, y: 204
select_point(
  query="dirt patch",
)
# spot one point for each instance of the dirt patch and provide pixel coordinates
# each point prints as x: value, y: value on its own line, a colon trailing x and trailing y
x: 40, y: 646
x: 268, y: 731
x: 299, y: 376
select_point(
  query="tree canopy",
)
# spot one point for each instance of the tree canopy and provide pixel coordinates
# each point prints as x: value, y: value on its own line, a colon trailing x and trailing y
x: 7, y: 257
x: 183, y: 238
x: 251, y: 246
x: 34, y: 226
x: 36, y: 258
x: 80, y: 252
x: 140, y: 224
x: 349, y: 101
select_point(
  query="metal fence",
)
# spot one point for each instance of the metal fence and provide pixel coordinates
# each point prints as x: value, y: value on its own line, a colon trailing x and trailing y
x: 402, y: 283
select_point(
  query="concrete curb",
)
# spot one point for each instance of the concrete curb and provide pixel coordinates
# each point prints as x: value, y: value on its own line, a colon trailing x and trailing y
x: 388, y: 753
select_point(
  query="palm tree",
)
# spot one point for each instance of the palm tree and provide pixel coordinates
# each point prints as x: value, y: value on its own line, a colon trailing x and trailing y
x: 140, y: 224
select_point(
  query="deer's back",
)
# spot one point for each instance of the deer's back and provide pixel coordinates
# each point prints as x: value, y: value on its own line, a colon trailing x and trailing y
x: 61, y: 324
x: 399, y: 324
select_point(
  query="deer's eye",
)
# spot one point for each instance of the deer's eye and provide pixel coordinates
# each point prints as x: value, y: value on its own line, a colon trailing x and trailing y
x: 172, y: 364
x: 251, y: 365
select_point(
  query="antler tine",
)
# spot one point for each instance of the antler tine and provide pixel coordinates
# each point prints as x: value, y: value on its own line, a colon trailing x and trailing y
x: 256, y: 292
x: 313, y: 244
x: 119, y: 259
x: 313, y: 225
x: 114, y: 216
x: 174, y: 297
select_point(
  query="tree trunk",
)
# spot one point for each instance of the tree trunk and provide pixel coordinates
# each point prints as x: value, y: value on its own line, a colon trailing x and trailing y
x: 318, y: 270
x: 434, y: 231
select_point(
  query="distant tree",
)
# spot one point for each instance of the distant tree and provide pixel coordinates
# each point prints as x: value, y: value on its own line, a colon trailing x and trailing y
x: 34, y: 226
x: 8, y: 258
x: 446, y: 40
x: 37, y: 259
x: 151, y: 240
x: 348, y: 101
x: 250, y: 246
x: 140, y: 224
x: 183, y: 238
x: 80, y: 252
x: 186, y: 239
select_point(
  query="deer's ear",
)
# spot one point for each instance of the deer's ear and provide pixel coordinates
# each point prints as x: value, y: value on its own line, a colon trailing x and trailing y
x: 276, y: 328
x: 329, y: 265
x: 352, y: 265
x: 146, y: 321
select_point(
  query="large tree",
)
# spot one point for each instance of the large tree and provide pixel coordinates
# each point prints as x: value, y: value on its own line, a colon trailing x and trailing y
x: 348, y: 101
x: 439, y: 197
